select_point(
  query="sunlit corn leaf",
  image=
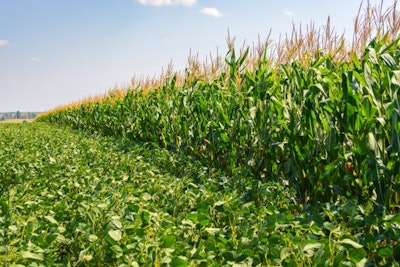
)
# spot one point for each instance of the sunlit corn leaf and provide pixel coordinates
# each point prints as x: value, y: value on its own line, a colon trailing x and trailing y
x: 396, y: 77
x: 392, y: 218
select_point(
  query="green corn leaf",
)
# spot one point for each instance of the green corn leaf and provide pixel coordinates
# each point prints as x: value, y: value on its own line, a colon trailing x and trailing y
x: 224, y: 137
x: 396, y: 77
x: 388, y: 59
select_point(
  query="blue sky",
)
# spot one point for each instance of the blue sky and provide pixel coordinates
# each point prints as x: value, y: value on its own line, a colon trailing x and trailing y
x: 54, y: 52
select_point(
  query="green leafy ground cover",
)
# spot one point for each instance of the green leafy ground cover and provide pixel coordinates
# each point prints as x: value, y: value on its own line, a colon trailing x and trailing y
x: 72, y: 199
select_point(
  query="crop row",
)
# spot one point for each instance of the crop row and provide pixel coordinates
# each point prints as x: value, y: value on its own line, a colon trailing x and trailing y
x: 328, y: 129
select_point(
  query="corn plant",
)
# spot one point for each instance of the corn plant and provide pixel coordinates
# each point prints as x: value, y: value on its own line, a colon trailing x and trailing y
x: 323, y: 121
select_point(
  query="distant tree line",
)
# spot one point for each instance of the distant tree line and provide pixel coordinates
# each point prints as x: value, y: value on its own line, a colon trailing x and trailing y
x: 18, y: 115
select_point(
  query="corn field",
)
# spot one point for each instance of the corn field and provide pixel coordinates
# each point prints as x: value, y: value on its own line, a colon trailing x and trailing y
x: 321, y: 117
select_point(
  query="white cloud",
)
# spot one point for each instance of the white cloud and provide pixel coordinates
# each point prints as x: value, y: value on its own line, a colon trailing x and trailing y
x: 211, y: 11
x: 4, y: 42
x: 35, y: 59
x: 289, y: 13
x: 186, y: 3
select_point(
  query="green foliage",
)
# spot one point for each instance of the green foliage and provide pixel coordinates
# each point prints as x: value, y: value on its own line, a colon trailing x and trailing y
x: 72, y: 199
x: 329, y: 129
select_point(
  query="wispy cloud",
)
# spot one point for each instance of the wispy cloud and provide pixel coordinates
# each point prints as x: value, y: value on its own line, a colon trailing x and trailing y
x: 35, y: 59
x: 211, y: 11
x: 4, y: 42
x: 289, y: 13
x: 186, y: 3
